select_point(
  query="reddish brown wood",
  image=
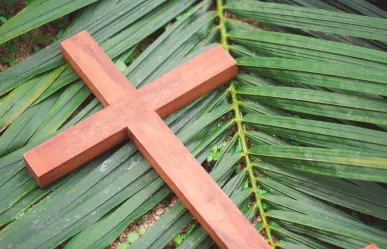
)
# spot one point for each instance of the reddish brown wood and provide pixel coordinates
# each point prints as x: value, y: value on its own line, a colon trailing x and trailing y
x: 136, y: 114
x: 79, y: 144
x: 371, y: 246
x: 189, y: 81
x: 96, y: 69
x: 192, y: 184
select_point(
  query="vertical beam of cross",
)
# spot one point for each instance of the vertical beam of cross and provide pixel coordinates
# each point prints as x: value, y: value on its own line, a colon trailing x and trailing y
x: 136, y: 114
x: 96, y: 69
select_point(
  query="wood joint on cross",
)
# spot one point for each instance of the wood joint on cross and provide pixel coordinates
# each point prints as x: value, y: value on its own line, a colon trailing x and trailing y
x: 137, y: 115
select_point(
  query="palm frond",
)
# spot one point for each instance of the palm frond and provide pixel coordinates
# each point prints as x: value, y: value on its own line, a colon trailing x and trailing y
x: 38, y: 13
x: 311, y: 19
x: 293, y: 46
x: 304, y: 124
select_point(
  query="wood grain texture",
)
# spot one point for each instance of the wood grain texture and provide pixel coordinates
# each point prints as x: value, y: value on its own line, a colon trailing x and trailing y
x: 77, y: 145
x: 189, y: 81
x: 136, y: 114
x: 86, y: 140
x: 192, y: 184
x: 95, y: 68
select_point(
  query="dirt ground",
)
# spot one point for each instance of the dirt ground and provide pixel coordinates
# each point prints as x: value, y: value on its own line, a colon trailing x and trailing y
x: 27, y: 44
x: 146, y: 221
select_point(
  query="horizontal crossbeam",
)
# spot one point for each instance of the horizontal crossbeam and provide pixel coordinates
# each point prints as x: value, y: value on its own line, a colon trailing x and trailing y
x: 86, y: 140
x: 136, y: 114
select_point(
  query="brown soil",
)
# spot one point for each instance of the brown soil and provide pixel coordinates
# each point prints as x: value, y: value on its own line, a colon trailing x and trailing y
x: 24, y: 46
x: 146, y: 221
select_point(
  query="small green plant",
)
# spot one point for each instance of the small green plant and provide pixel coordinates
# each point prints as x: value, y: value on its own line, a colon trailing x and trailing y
x: 216, y: 152
x: 132, y: 237
x: 11, y: 47
x: 141, y: 231
x: 123, y: 246
x: 3, y: 19
x: 180, y: 238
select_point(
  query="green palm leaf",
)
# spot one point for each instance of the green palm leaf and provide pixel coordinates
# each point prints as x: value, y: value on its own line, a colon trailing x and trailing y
x: 293, y: 46
x: 320, y: 134
x: 312, y: 19
x: 38, y: 13
x: 330, y: 225
x: 299, y: 135
x: 337, y: 76
x: 335, y: 105
x: 332, y: 162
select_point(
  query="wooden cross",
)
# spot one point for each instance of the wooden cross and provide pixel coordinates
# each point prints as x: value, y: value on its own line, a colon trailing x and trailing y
x: 136, y: 114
